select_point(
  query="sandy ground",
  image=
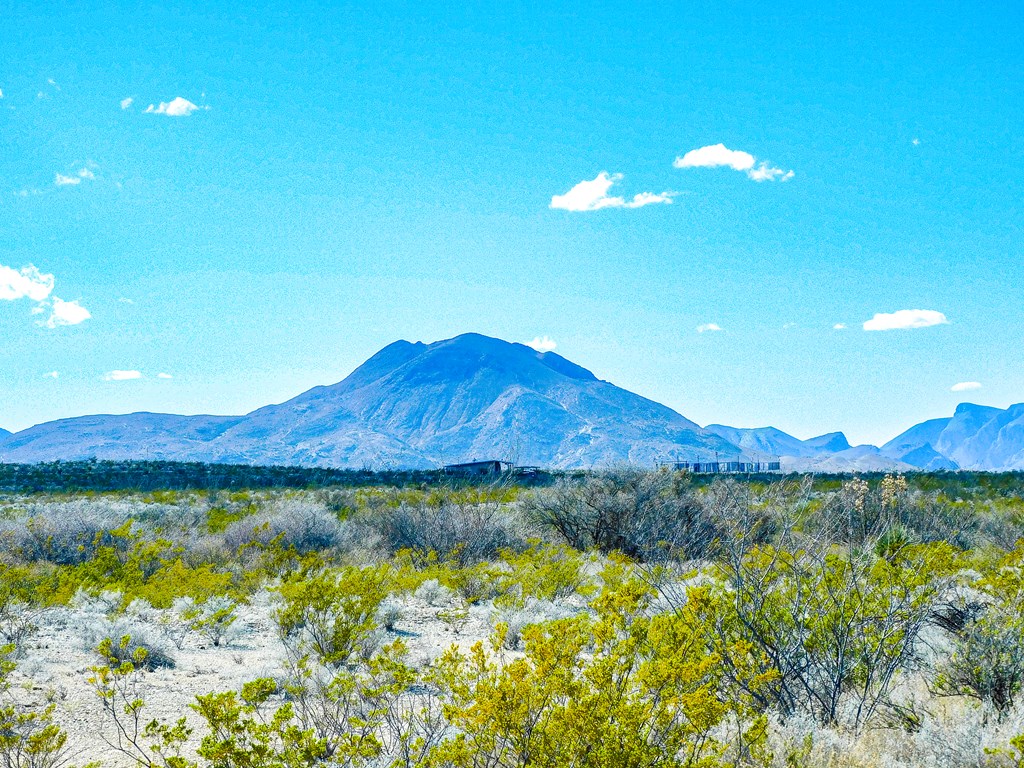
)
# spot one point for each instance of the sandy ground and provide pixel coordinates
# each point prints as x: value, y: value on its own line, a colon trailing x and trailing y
x: 55, y: 666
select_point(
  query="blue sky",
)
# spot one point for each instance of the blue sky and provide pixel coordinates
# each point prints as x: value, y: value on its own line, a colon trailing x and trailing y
x: 316, y: 182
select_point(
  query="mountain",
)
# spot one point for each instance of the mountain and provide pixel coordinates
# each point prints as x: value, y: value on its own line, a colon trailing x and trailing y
x: 860, y: 458
x: 975, y: 437
x: 410, y: 405
x: 4, y: 432
x: 826, y: 453
x: 769, y: 441
x: 420, y: 405
x: 833, y: 442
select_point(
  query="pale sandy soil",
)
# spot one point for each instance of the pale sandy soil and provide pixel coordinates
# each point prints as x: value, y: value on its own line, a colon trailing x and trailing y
x: 56, y: 666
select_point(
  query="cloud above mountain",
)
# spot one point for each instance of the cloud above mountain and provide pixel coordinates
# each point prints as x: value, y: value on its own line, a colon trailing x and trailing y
x: 965, y: 386
x: 542, y: 343
x: 593, y: 195
x: 905, y: 319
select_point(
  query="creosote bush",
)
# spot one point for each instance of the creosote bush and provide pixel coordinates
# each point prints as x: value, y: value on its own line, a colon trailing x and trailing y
x: 331, y: 612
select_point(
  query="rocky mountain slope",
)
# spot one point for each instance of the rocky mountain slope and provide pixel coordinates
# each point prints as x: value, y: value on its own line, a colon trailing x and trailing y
x: 974, y: 437
x: 410, y: 405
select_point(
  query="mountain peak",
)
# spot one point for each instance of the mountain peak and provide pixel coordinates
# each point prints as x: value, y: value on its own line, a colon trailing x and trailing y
x: 973, y: 409
x: 409, y: 405
x: 830, y: 441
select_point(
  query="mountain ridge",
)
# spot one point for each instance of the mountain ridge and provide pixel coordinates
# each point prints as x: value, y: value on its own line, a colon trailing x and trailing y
x: 412, y: 405
x: 420, y: 405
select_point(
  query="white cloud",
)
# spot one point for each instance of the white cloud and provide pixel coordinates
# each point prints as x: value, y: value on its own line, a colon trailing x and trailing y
x: 84, y: 173
x: 164, y: 376
x: 177, y: 107
x: 965, y: 386
x: 839, y: 326
x: 66, y: 313
x: 125, y: 103
x: 905, y: 318
x: 916, y: 142
x: 593, y: 195
x: 26, y: 283
x: 706, y: 327
x: 765, y: 172
x: 714, y: 156
x: 122, y: 375
x: 542, y: 343
x: 52, y: 375
x: 718, y: 156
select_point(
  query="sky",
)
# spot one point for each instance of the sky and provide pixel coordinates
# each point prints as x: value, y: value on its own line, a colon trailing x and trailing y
x: 806, y: 215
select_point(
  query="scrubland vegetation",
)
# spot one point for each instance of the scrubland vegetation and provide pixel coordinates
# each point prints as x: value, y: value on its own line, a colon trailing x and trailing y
x: 618, y: 619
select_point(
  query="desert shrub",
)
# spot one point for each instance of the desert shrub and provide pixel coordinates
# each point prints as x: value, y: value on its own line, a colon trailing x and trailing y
x: 461, y: 533
x: 987, y: 662
x: 28, y: 738
x: 213, y: 618
x: 608, y: 689
x: 832, y: 630
x: 516, y: 618
x: 104, y: 602
x: 317, y: 717
x: 18, y: 622
x: 645, y: 515
x: 125, y: 639
x: 543, y: 572
x: 389, y: 613
x: 859, y: 512
x: 433, y: 592
x: 330, y: 612
x: 296, y: 524
x: 65, y: 534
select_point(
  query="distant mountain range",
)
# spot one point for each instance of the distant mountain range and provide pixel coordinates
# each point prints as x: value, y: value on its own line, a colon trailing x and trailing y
x: 974, y: 437
x: 472, y: 397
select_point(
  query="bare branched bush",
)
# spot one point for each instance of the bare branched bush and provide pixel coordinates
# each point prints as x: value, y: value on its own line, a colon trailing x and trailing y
x: 858, y: 513
x: 837, y: 630
x: 18, y: 622
x: 987, y: 662
x: 304, y: 525
x: 464, y: 533
x: 66, y: 533
x: 389, y: 613
x: 648, y: 516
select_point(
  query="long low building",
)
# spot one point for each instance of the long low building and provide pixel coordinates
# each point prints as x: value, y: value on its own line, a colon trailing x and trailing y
x: 713, y: 467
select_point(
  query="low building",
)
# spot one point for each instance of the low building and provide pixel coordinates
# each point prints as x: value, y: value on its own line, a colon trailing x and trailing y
x: 487, y: 468
x: 723, y: 467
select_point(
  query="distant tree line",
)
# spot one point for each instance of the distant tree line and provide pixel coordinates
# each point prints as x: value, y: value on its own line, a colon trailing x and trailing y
x: 95, y: 475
